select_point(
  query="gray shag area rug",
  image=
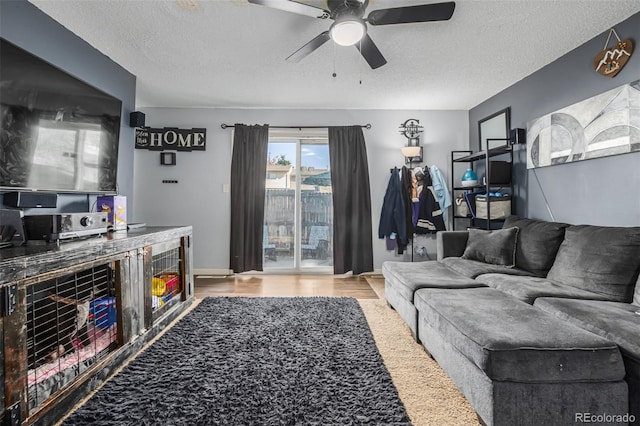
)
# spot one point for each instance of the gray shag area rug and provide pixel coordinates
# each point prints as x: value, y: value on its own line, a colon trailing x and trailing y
x: 255, y: 361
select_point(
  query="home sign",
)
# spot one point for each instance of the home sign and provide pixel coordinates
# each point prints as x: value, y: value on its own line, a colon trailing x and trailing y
x: 171, y: 138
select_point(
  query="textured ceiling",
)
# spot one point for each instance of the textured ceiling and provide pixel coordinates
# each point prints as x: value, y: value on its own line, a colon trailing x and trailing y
x: 229, y: 53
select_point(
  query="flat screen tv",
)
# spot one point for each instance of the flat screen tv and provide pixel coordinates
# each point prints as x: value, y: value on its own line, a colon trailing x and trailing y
x: 59, y: 134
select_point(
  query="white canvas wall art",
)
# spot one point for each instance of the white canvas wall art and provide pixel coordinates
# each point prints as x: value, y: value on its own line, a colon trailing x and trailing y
x: 606, y: 124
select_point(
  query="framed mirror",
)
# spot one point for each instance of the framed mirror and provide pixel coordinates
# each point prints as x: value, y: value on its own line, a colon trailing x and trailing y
x: 495, y: 126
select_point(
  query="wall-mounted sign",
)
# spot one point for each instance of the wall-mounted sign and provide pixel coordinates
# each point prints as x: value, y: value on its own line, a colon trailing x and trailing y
x: 609, y: 62
x: 171, y: 138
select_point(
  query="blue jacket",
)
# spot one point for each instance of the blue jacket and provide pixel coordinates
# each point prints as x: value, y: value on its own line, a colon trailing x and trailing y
x: 440, y: 189
x: 393, y: 218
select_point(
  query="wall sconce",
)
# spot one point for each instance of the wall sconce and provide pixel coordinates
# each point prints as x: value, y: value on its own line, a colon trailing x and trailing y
x: 411, y: 129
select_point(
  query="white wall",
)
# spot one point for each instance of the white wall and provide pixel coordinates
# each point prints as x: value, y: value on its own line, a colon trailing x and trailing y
x: 198, y: 198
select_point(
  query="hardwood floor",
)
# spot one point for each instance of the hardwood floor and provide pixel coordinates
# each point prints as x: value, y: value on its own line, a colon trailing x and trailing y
x: 284, y: 285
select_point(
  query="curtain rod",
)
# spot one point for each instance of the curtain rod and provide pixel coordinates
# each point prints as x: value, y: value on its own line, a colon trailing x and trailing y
x: 224, y: 126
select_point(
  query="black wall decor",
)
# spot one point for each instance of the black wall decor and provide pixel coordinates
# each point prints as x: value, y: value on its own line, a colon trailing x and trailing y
x: 171, y: 138
x: 168, y: 158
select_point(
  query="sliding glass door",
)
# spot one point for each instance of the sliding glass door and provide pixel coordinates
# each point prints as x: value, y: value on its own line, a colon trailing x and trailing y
x: 298, y: 219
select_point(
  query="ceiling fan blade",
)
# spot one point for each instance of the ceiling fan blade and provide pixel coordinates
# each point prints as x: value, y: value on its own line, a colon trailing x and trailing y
x: 370, y: 52
x: 305, y: 50
x: 409, y: 14
x: 294, y: 7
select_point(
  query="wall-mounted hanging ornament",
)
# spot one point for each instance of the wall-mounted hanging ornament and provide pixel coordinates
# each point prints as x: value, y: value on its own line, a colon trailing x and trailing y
x: 609, y: 62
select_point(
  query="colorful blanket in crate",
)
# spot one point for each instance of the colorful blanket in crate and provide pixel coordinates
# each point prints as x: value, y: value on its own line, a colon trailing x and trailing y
x: 49, y: 378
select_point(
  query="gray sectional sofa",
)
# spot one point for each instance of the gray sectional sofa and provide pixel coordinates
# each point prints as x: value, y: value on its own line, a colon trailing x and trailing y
x: 536, y: 323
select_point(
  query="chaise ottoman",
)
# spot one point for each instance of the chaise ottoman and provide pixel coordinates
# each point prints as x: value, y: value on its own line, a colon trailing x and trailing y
x: 615, y: 321
x: 519, y: 365
x: 402, y: 279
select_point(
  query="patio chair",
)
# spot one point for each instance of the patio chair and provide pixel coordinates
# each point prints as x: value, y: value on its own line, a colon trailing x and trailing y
x: 268, y: 249
x: 317, y: 246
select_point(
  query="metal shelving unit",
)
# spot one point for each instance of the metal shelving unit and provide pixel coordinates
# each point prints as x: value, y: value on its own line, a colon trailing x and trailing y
x: 473, y: 161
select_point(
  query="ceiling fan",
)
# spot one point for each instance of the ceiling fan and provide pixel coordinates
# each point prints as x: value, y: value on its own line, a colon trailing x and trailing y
x: 350, y: 28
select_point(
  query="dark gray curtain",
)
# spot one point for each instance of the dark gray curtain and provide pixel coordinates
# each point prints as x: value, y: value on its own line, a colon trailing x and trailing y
x: 352, y: 244
x: 248, y: 173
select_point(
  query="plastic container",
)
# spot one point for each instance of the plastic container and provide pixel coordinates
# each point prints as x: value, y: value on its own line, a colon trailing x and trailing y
x: 103, y: 311
x: 469, y: 178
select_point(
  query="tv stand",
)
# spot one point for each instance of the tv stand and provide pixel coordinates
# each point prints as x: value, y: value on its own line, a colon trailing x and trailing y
x: 116, y: 276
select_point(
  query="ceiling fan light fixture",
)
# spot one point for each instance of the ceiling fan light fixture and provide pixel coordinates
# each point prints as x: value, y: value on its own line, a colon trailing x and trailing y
x: 347, y: 32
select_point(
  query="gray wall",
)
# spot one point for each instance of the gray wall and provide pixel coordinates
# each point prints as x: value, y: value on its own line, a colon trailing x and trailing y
x: 198, y: 198
x: 26, y: 26
x: 599, y: 191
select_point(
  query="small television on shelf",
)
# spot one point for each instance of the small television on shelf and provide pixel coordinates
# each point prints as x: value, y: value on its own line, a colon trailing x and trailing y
x: 59, y: 133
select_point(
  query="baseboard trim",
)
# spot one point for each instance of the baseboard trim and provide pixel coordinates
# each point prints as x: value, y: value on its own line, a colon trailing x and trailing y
x: 216, y: 273
x: 227, y: 272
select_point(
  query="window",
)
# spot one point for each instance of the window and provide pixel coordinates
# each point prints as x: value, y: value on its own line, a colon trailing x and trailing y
x: 298, y: 221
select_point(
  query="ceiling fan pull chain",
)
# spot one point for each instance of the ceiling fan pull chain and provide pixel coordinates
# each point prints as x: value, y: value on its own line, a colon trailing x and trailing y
x: 360, y: 63
x: 334, y: 61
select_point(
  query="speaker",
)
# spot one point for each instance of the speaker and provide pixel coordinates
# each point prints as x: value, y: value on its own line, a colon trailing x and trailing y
x: 136, y: 119
x: 517, y: 136
x: 30, y: 199
x: 11, y: 228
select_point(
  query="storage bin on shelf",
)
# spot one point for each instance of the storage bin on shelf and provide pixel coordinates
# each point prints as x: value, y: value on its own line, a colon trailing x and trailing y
x: 500, y: 206
x: 461, y: 207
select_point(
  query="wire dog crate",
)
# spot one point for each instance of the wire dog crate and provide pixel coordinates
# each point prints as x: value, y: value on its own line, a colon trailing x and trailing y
x: 166, y: 278
x: 71, y: 324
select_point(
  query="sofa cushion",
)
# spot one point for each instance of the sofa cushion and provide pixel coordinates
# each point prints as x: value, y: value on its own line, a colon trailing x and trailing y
x: 537, y: 244
x: 407, y: 277
x: 604, y: 260
x: 473, y: 268
x: 615, y: 321
x: 496, y: 247
x: 528, y: 289
x: 636, y: 295
x: 513, y: 341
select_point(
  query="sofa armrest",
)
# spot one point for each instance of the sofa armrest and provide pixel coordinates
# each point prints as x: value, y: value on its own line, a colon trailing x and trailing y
x: 451, y: 243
